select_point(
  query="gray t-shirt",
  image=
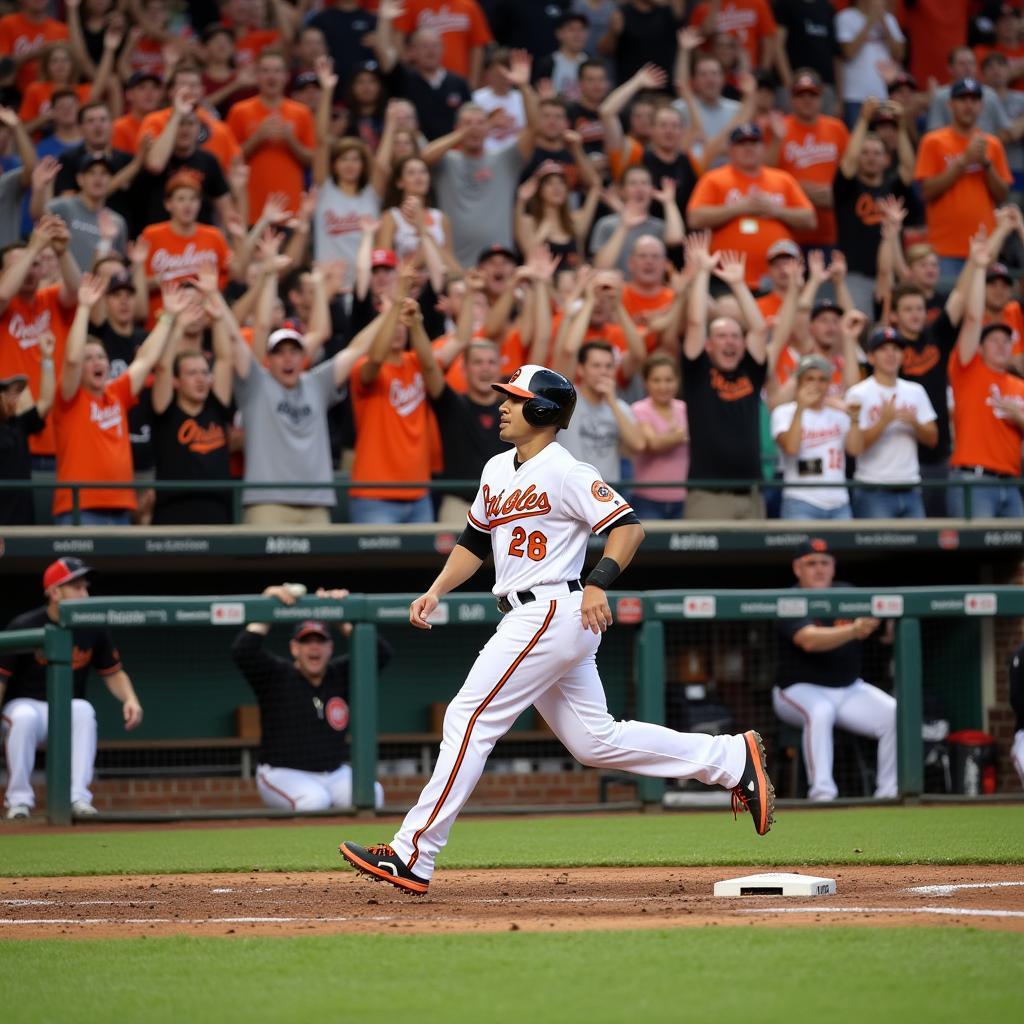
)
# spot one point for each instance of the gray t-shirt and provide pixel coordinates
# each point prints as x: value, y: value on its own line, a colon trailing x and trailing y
x: 605, y: 228
x: 992, y: 118
x: 477, y: 194
x: 83, y: 224
x: 713, y: 119
x: 11, y: 193
x: 286, y: 437
x: 336, y: 230
x: 593, y: 435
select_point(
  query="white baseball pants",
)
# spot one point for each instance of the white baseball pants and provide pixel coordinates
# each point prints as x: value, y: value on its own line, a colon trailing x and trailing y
x: 859, y: 708
x: 24, y: 725
x: 1017, y: 754
x: 541, y: 655
x: 291, y: 789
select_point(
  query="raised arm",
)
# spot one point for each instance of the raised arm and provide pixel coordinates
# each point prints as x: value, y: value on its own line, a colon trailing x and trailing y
x: 379, y: 343
x: 176, y: 299
x: 433, y: 376
x: 851, y: 155
x: 974, y: 310
x: 328, y: 80
x: 732, y: 269
x: 163, y: 145
x: 22, y: 143
x: 698, y: 253
x: 90, y: 291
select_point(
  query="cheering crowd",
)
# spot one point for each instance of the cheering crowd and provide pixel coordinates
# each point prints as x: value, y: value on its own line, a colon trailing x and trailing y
x: 775, y: 245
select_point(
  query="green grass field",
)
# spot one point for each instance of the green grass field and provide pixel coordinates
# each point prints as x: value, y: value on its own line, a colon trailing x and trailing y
x: 715, y: 974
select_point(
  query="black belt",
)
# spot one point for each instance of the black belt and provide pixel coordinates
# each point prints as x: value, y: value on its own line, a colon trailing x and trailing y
x: 526, y: 596
x: 984, y: 471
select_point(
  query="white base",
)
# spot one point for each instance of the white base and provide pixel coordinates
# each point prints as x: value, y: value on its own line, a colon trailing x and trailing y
x: 776, y: 883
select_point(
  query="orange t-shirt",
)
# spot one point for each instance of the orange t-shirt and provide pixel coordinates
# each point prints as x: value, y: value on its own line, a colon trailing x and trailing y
x: 1013, y: 317
x: 752, y: 235
x: 769, y: 305
x: 750, y: 21
x: 392, y: 418
x: 216, y: 139
x: 812, y: 153
x: 20, y: 327
x: 19, y: 35
x: 93, y: 443
x: 173, y: 256
x: 272, y: 166
x: 148, y: 56
x: 126, y: 132
x: 460, y: 24
x: 248, y: 47
x: 36, y: 99
x: 981, y: 435
x: 956, y: 214
x: 512, y: 354
x: 642, y: 308
x: 619, y: 164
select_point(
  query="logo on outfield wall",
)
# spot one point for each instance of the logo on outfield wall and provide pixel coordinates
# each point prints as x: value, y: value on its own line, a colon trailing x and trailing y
x: 227, y: 613
x: 791, y: 608
x: 439, y: 616
x: 980, y: 604
x: 472, y: 613
x: 444, y: 542
x: 949, y: 540
x: 887, y: 606
x: 629, y: 610
x: 702, y: 606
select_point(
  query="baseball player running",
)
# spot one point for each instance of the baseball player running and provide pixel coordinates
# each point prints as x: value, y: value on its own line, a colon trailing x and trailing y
x: 534, y: 511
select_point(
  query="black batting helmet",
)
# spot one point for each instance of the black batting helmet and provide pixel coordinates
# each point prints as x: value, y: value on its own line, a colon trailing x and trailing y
x: 550, y: 397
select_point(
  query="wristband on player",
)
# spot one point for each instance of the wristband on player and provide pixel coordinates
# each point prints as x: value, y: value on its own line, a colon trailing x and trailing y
x: 604, y: 574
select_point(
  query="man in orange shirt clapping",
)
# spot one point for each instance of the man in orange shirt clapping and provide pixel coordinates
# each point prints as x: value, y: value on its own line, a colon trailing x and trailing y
x: 964, y: 176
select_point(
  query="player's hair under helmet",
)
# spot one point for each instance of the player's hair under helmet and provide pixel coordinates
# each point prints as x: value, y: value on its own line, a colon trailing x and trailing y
x: 550, y: 397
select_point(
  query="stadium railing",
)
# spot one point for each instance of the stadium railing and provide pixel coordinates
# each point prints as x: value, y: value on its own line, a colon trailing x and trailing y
x: 648, y: 613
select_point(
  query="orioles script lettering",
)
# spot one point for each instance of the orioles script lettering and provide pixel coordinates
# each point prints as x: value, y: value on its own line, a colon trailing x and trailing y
x: 518, y: 501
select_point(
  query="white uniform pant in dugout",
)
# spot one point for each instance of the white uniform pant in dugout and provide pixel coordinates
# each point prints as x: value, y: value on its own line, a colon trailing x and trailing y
x: 291, y: 789
x: 858, y: 708
x: 25, y: 726
x: 541, y: 655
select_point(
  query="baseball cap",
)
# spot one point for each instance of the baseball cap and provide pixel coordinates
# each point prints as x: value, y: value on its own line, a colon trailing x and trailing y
x: 14, y: 378
x: 138, y: 77
x: 813, y: 362
x: 813, y: 546
x: 783, y: 247
x: 283, y: 335
x: 93, y: 160
x: 64, y: 570
x: 989, y: 328
x: 901, y: 80
x: 566, y: 16
x: 806, y: 81
x: 884, y: 115
x: 500, y: 250
x: 745, y: 133
x: 883, y: 337
x: 826, y: 306
x: 304, y: 79
x: 964, y: 87
x: 183, y: 179
x: 383, y: 258
x: 121, y: 282
x: 997, y: 271
x: 310, y: 627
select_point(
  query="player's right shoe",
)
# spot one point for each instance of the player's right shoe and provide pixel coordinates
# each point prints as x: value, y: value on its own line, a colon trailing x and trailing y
x: 380, y: 862
x: 18, y: 811
x: 755, y: 792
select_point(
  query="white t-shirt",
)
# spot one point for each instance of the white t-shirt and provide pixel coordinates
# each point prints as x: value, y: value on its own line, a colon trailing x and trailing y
x: 501, y: 134
x: 541, y: 515
x: 822, y: 455
x: 861, y: 76
x: 892, y: 459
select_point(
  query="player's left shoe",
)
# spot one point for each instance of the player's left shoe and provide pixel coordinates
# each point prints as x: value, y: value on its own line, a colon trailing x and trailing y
x: 380, y: 862
x: 755, y: 792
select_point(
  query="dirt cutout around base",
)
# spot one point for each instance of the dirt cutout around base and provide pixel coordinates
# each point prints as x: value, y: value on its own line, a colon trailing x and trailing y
x: 539, y: 899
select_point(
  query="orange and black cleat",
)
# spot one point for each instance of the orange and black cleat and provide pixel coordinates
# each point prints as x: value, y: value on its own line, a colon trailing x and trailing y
x: 382, y: 864
x: 755, y: 792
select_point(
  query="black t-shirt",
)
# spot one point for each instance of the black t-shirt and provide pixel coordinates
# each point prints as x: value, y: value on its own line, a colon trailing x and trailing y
x: 724, y: 413
x: 810, y: 34
x: 147, y: 193
x: 526, y: 24
x: 857, y: 219
x: 121, y: 349
x: 925, y: 361
x: 648, y: 37
x: 587, y: 121
x: 469, y: 436
x: 561, y: 155
x: 25, y: 672
x: 302, y: 726
x: 838, y: 667
x: 344, y: 32
x: 16, y: 464
x: 192, y: 448
x: 680, y: 171
x: 435, y: 108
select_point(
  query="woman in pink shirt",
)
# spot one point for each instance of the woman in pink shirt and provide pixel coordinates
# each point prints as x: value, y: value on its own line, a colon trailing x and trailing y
x: 666, y: 458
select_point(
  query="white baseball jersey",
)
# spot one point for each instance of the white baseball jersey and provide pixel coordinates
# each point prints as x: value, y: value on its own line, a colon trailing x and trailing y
x: 540, y: 515
x: 822, y: 456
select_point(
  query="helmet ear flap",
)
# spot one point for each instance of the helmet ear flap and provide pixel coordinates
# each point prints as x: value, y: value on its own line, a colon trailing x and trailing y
x: 540, y: 412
